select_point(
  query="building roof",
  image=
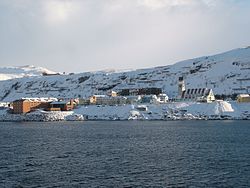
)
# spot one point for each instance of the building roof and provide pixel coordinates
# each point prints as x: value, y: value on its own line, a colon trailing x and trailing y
x: 243, y: 95
x: 42, y: 99
x: 197, y: 91
x: 100, y: 96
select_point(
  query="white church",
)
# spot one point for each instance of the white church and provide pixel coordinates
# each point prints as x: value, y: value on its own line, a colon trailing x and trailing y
x: 194, y: 94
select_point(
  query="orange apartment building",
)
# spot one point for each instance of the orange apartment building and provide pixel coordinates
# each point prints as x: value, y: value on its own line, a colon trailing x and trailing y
x: 26, y: 105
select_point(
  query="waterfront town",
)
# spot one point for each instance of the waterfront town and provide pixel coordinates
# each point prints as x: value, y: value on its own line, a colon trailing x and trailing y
x: 141, y: 97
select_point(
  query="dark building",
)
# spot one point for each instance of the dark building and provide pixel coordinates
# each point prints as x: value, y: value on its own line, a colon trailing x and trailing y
x: 61, y: 106
x: 140, y: 91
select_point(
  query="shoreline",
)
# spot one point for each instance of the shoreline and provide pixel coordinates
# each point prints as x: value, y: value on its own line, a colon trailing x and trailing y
x: 177, y: 111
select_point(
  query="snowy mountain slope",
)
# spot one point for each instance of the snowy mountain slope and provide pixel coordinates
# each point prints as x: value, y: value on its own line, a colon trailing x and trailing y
x: 225, y: 73
x: 7, y: 73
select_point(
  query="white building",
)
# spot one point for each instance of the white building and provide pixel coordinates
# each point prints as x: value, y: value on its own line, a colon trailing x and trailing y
x: 243, y: 98
x: 112, y: 94
x: 162, y: 98
x: 4, y: 104
x: 199, y: 94
x: 194, y: 94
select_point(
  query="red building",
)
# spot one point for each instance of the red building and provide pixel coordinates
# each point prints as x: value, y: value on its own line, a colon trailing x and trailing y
x: 26, y: 105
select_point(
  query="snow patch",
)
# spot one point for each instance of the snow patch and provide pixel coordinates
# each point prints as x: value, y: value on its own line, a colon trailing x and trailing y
x: 7, y: 73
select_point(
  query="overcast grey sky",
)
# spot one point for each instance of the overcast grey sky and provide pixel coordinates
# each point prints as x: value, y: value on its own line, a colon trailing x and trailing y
x: 87, y: 35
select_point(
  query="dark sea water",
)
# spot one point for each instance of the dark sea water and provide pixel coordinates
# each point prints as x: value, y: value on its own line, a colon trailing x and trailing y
x: 125, y: 154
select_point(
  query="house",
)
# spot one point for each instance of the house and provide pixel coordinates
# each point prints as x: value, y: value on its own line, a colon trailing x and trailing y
x: 118, y: 100
x: 66, y: 105
x: 98, y: 99
x: 199, y: 94
x: 162, y: 98
x: 107, y: 100
x: 25, y: 105
x: 243, y: 98
x: 149, y: 91
x: 112, y: 94
x: 4, y: 104
x: 84, y: 101
x: 75, y: 100
x: 194, y: 94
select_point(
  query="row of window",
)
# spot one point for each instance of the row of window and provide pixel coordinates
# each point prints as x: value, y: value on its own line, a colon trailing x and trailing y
x: 195, y: 91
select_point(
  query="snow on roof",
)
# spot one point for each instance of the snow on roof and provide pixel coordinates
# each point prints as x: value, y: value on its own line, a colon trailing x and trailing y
x: 100, y: 96
x: 141, y: 106
x: 243, y: 95
x: 42, y: 99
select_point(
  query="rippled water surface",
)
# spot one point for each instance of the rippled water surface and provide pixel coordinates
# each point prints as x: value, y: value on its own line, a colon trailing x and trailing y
x: 125, y: 154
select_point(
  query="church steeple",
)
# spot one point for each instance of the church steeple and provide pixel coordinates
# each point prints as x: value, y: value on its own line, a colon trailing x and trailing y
x: 181, y: 87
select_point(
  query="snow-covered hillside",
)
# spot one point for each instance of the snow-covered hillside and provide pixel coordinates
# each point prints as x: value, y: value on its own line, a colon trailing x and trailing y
x: 7, y: 73
x: 225, y: 73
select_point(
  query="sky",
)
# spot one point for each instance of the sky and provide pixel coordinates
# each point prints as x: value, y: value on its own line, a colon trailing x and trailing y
x: 91, y: 35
